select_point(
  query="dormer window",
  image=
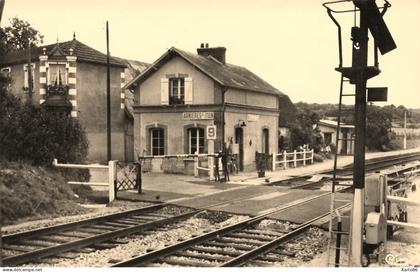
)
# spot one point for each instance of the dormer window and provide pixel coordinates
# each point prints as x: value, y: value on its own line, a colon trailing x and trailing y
x: 176, y: 91
x: 57, y: 74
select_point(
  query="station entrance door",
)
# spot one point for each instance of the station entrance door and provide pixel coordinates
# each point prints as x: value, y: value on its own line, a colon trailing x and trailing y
x: 239, y: 139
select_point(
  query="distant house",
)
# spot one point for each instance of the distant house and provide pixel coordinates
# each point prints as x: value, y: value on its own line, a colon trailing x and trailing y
x: 78, y: 72
x: 328, y: 129
x: 181, y: 94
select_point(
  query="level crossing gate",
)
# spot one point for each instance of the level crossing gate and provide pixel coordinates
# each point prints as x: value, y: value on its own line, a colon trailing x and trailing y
x: 128, y: 177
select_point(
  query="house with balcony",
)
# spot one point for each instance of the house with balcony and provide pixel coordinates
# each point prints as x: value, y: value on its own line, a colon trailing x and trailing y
x: 182, y: 94
x: 71, y: 77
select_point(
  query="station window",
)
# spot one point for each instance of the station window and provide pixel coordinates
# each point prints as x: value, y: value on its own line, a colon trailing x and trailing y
x: 157, y: 141
x: 196, y: 140
x: 176, y: 91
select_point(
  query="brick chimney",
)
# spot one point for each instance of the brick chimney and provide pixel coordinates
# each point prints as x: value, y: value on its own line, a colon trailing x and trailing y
x: 218, y: 53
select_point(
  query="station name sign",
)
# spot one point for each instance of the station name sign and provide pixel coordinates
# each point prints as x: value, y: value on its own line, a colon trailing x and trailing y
x: 198, y: 115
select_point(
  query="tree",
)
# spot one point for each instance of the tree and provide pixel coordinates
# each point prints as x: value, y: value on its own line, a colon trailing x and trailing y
x: 31, y: 133
x: 19, y: 35
x: 302, y: 131
x: 378, y: 128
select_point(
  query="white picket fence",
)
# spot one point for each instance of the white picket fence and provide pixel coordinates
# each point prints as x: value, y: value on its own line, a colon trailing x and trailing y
x: 295, y: 157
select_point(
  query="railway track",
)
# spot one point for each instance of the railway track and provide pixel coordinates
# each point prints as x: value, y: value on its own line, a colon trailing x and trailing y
x: 345, y: 172
x: 235, y: 245
x: 66, y: 240
x: 86, y: 235
x: 376, y: 164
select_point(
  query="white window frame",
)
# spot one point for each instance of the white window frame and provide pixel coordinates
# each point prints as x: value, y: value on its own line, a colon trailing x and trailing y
x: 152, y: 147
x: 195, y: 132
x: 66, y: 76
x: 6, y: 70
x: 180, y: 85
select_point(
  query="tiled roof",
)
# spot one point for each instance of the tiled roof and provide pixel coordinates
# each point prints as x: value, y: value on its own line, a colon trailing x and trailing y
x: 80, y: 50
x: 228, y: 75
x: 134, y: 67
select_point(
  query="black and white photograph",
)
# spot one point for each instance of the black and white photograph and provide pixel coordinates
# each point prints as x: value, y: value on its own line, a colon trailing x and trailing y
x: 175, y: 134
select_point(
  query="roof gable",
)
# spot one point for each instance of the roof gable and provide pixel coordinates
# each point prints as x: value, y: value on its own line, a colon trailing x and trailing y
x: 227, y: 75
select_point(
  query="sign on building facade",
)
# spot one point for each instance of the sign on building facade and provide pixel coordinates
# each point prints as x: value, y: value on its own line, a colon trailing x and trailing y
x: 198, y: 115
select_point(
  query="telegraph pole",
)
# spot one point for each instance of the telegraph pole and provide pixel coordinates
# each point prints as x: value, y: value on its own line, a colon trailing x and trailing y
x: 108, y: 96
x: 2, y: 2
x: 405, y: 129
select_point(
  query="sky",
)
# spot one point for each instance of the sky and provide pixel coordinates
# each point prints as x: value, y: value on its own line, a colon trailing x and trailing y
x: 291, y: 44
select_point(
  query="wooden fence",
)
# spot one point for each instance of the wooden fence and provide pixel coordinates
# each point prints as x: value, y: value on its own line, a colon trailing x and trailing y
x: 112, y: 175
x: 293, y: 158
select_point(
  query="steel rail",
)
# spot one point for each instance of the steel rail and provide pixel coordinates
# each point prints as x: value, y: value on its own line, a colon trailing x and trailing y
x: 76, y: 224
x: 247, y: 256
x: 371, y: 165
x: 151, y: 256
x: 95, y: 239
x: 117, y: 233
x: 378, y: 163
x: 71, y: 245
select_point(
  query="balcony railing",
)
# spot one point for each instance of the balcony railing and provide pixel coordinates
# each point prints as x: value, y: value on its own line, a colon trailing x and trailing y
x: 61, y: 90
x: 173, y: 100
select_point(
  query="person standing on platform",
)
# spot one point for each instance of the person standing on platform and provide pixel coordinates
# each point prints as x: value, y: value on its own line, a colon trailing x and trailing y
x: 225, y: 156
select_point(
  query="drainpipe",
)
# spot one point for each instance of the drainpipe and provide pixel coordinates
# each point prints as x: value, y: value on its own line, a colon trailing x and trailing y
x: 224, y: 89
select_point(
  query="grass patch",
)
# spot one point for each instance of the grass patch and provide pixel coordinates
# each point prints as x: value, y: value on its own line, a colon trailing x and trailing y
x: 35, y: 192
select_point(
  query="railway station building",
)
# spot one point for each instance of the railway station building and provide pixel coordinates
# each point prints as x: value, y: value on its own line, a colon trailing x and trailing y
x: 182, y: 94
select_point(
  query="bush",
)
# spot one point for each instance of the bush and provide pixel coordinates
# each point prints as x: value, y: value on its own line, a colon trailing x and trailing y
x: 318, y: 158
x: 34, y: 134
x: 302, y: 130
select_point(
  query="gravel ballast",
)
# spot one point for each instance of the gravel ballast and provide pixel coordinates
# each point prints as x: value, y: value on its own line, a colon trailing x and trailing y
x: 140, y: 244
x: 117, y: 206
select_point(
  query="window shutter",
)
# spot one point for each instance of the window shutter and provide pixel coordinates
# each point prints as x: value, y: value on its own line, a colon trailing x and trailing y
x: 188, y: 90
x: 164, y: 91
x: 25, y: 79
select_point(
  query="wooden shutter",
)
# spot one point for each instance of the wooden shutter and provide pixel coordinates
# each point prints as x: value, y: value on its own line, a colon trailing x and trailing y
x: 188, y: 90
x: 25, y: 79
x: 164, y: 91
